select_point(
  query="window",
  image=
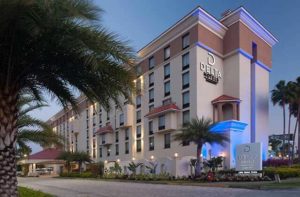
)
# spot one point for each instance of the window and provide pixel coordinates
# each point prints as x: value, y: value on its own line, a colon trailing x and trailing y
x: 254, y: 52
x: 126, y: 147
x: 121, y: 119
x: 185, y: 117
x: 151, y: 143
x: 87, y: 114
x: 185, y: 61
x: 117, y: 149
x: 127, y: 134
x: 167, y: 71
x: 167, y: 101
x: 94, y: 120
x: 103, y: 139
x: 185, y: 41
x: 107, y: 115
x: 186, y: 99
x: 100, y: 152
x: 151, y: 95
x: 138, y: 101
x: 151, y: 79
x: 167, y: 52
x: 100, y: 118
x: 151, y: 107
x: 167, y: 140
x: 138, y: 70
x: 167, y: 88
x: 150, y: 127
x: 138, y: 146
x: 151, y: 62
x: 138, y: 131
x: 186, y: 80
x: 138, y: 116
x: 108, y: 152
x: 117, y: 136
x: 161, y: 122
x: 138, y: 85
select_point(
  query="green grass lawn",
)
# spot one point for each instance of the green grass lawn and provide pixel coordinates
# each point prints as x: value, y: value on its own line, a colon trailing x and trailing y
x: 26, y: 192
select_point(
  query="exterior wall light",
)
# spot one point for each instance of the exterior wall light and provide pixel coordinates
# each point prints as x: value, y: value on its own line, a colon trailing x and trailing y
x: 152, y: 157
x: 175, y: 155
x: 118, y: 160
x: 133, y: 159
x: 105, y: 161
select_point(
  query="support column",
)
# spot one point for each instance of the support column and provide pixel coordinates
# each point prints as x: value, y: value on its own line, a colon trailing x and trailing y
x: 220, y: 112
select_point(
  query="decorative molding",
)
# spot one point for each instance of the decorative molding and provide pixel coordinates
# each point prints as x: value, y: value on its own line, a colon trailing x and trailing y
x: 243, y: 15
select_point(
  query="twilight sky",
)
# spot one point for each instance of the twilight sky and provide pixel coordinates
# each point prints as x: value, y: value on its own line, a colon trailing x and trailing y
x: 140, y: 21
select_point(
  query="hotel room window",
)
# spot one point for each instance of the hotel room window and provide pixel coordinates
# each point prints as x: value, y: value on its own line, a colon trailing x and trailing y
x: 127, y: 134
x: 167, y: 88
x: 100, y: 152
x: 126, y: 147
x: 138, y: 101
x: 186, y: 99
x: 185, y: 61
x: 103, y: 139
x: 185, y: 41
x: 100, y: 118
x: 185, y: 120
x: 138, y: 116
x: 117, y: 149
x: 108, y: 152
x: 138, y: 146
x: 138, y: 70
x: 121, y: 119
x: 167, y: 71
x: 151, y: 79
x: 151, y: 95
x: 167, y: 140
x: 107, y: 115
x: 138, y: 131
x: 151, y: 107
x: 161, y: 122
x: 151, y: 143
x: 150, y: 127
x: 167, y: 52
x: 138, y: 86
x: 151, y: 62
x: 185, y: 80
x: 117, y: 136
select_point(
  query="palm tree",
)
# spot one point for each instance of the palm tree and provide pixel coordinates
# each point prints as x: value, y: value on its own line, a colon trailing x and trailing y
x: 291, y: 101
x: 133, y: 167
x: 297, y: 101
x: 81, y: 157
x: 279, y: 96
x: 33, y: 130
x: 68, y: 157
x: 50, y: 46
x: 198, y: 131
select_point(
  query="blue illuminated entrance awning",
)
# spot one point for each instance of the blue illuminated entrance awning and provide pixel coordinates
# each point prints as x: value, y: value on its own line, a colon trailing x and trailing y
x: 227, y: 125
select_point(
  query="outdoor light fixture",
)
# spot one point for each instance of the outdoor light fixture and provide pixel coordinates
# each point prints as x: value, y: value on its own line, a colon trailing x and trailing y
x: 118, y: 160
x: 133, y: 158
x: 222, y: 154
x: 105, y: 161
x: 152, y: 157
x: 176, y: 155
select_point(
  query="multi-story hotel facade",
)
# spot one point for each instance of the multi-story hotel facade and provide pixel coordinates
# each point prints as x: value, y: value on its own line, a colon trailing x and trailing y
x: 200, y: 66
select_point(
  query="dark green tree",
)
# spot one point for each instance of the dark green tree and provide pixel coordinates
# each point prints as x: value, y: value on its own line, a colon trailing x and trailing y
x: 50, y: 46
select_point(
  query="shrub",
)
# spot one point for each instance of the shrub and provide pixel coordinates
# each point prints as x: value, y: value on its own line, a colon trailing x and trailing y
x: 275, y: 162
x: 97, y: 169
x: 78, y: 175
x: 284, y: 172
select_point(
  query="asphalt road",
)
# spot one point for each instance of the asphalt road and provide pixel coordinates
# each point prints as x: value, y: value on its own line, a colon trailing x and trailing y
x: 89, y: 188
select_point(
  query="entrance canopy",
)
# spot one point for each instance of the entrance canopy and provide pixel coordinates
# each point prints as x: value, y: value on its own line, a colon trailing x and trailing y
x: 232, y: 125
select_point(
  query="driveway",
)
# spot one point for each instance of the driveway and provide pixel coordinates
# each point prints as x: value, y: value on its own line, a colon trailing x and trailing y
x: 89, y: 188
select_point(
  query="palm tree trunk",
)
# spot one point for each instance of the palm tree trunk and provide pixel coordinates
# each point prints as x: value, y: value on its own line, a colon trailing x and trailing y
x: 283, y: 142
x: 8, y: 129
x: 298, y: 132
x: 198, y: 164
x: 289, y: 132
x: 294, y: 139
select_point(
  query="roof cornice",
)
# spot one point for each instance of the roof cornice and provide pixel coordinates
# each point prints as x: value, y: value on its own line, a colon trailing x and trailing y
x: 241, y: 14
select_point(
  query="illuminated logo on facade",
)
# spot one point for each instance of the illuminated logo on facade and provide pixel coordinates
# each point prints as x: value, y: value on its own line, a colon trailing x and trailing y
x: 211, y: 74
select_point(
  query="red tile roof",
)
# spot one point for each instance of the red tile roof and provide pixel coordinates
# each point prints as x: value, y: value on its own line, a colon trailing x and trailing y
x: 225, y: 98
x: 103, y: 130
x: 46, y: 154
x: 162, y: 110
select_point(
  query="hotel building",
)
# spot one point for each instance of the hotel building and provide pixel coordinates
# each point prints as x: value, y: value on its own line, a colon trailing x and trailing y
x: 200, y: 66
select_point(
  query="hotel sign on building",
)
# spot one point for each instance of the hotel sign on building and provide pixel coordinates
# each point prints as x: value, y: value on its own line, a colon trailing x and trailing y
x: 210, y: 73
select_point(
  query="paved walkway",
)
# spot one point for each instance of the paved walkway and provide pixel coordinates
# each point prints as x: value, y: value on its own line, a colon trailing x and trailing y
x: 89, y: 188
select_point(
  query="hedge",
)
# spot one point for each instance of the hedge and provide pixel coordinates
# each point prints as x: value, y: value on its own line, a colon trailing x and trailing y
x: 284, y: 172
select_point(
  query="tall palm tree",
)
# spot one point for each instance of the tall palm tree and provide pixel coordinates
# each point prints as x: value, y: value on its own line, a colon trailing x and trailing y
x: 80, y: 158
x: 33, y: 130
x: 68, y: 157
x: 198, y: 131
x: 279, y: 96
x: 50, y: 46
x: 290, y: 101
x: 297, y: 101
